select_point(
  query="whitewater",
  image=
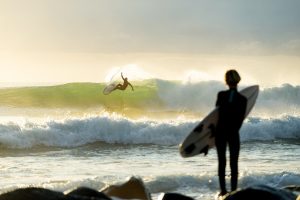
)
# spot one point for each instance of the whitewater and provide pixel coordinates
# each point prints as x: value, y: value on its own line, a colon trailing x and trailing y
x: 60, y: 144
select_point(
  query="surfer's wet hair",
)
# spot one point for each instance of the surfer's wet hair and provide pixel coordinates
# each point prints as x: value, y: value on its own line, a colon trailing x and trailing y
x: 232, y: 77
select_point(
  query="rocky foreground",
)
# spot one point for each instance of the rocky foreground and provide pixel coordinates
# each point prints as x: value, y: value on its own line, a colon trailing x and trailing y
x: 135, y: 189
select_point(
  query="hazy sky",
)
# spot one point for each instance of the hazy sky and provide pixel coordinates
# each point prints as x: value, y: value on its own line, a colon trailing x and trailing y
x: 82, y: 40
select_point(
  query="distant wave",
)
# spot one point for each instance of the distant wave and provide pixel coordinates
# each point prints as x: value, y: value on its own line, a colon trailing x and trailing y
x: 117, y: 130
x: 153, y: 94
x: 80, y: 95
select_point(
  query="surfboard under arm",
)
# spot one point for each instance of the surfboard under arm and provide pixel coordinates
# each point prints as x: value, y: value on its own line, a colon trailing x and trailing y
x: 201, y: 139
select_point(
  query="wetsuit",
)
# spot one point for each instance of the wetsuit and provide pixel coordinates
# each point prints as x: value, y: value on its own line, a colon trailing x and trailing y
x: 232, y: 107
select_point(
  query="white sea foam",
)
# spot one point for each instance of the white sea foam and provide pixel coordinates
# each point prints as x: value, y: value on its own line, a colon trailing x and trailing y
x: 286, y: 127
x: 108, y: 129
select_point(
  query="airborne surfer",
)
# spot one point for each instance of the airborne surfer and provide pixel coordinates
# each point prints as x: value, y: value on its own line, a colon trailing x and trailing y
x: 124, y: 85
x: 232, y: 107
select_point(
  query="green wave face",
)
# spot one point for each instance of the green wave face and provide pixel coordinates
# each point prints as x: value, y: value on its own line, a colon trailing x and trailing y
x: 82, y: 95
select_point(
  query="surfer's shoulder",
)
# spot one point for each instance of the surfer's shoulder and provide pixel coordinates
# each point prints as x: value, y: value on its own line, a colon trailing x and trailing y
x: 223, y: 93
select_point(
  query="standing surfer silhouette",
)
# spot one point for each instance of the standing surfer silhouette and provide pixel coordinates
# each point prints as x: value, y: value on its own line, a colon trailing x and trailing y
x: 232, y: 107
x: 124, y: 85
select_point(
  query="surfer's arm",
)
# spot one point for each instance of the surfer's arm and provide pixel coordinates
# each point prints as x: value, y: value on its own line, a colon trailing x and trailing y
x: 131, y: 86
x: 122, y: 76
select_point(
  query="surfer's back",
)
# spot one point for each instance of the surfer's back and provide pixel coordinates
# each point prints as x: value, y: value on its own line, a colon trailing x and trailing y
x: 232, y: 108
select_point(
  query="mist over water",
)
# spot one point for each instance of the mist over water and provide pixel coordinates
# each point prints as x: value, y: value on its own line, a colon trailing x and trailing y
x: 201, y: 97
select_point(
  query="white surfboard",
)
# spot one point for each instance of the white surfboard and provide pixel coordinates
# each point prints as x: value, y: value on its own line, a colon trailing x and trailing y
x: 109, y: 88
x: 200, y: 140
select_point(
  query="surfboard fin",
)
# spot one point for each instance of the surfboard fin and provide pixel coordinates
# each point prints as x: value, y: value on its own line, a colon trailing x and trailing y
x: 204, y: 150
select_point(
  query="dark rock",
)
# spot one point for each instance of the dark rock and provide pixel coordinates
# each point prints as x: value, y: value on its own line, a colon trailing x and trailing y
x: 87, y: 192
x: 45, y: 194
x: 175, y: 196
x: 261, y: 192
x: 32, y: 194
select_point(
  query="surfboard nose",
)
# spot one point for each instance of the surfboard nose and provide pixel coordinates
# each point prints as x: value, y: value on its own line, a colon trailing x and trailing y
x: 189, y: 149
x: 185, y: 152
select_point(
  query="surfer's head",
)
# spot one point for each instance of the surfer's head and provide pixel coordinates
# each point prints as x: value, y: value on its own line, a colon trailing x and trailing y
x: 232, y: 77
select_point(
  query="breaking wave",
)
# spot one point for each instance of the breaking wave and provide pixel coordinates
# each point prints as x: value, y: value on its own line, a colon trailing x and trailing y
x: 118, y: 130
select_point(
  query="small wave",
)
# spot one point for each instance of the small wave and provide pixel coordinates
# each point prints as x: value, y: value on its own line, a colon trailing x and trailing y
x: 278, y: 180
x: 208, y: 183
x: 211, y: 183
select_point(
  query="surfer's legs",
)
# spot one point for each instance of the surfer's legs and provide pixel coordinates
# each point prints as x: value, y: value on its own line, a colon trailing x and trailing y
x: 118, y: 87
x: 234, y: 148
x: 221, y: 150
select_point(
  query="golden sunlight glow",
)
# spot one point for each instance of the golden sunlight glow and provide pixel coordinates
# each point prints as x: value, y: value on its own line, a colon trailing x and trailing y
x: 42, y: 42
x: 75, y: 67
x: 192, y: 76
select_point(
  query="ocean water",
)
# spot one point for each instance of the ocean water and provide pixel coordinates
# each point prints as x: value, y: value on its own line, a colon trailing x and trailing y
x: 84, y: 138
